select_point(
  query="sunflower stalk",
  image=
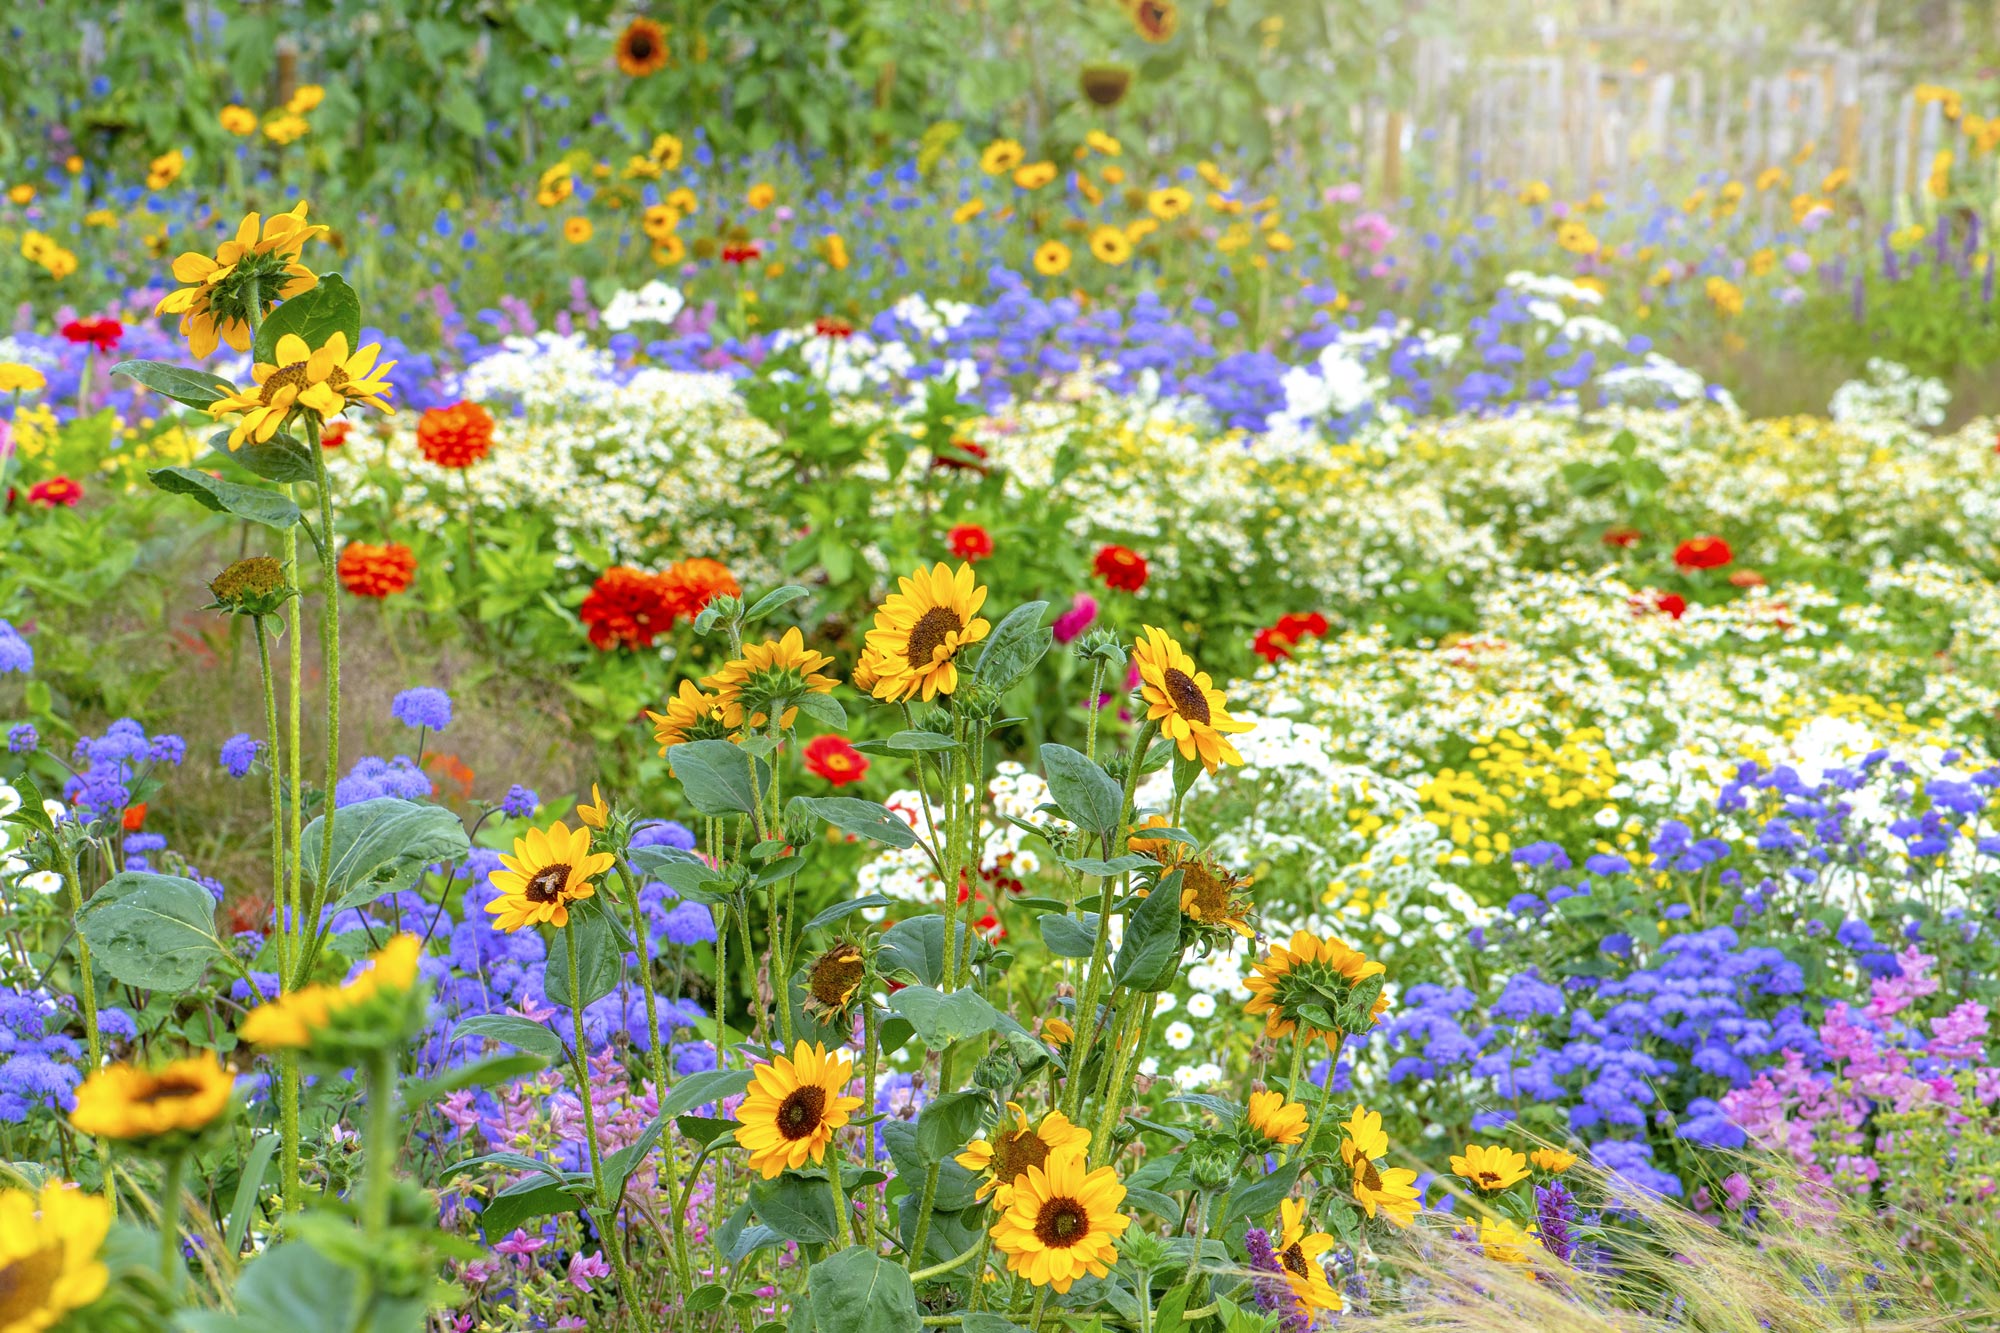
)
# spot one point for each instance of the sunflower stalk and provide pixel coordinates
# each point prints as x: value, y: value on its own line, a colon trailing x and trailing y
x: 171, y: 1265
x: 683, y: 1267
x: 330, y: 625
x: 580, y: 1069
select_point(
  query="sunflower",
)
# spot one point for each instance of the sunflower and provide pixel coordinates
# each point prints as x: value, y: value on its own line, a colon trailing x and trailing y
x: 1393, y: 1192
x: 793, y: 1106
x: 1156, y: 20
x: 1170, y: 203
x: 596, y: 812
x: 919, y: 631
x: 50, y: 1260
x: 135, y: 1105
x: 1299, y: 1252
x: 366, y: 1011
x: 1051, y: 258
x: 1505, y: 1243
x: 691, y: 716
x: 550, y: 869
x: 833, y: 979
x: 1062, y: 1221
x: 1281, y: 1122
x: 1034, y: 175
x: 1552, y: 1160
x: 1184, y: 701
x: 659, y: 221
x: 642, y: 48
x: 1058, y: 1033
x: 1208, y: 896
x: 259, y: 267
x: 1002, y: 156
x: 1310, y: 979
x: 1007, y: 1156
x: 768, y: 673
x: 325, y: 381
x: 665, y: 152
x: 1110, y: 245
x: 1491, y: 1168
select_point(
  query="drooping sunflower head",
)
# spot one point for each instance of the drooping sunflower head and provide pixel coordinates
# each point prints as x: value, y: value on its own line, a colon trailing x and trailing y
x: 833, y: 979
x: 1011, y: 1151
x: 1192, y: 713
x: 1274, y: 1119
x: 1299, y: 1252
x: 376, y: 1008
x: 793, y: 1107
x: 1490, y: 1167
x: 550, y: 869
x: 154, y: 1108
x: 642, y: 48
x: 1209, y: 897
x: 1062, y: 1221
x: 51, y: 1259
x: 769, y: 678
x: 692, y: 715
x: 324, y: 380
x: 1389, y: 1192
x: 1105, y: 85
x: 253, y: 271
x: 1317, y: 982
x: 920, y: 629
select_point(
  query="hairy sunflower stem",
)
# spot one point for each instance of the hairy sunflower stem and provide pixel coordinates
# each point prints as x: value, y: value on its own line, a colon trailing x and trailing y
x: 171, y: 1266
x: 607, y: 1222
x: 683, y: 1267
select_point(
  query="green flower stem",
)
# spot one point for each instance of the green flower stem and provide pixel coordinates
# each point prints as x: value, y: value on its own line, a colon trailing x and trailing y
x: 773, y: 962
x: 272, y: 749
x: 1140, y: 1006
x: 927, y: 1202
x: 1325, y: 1095
x: 380, y: 1144
x: 871, y: 1047
x: 288, y: 1128
x: 171, y: 1265
x: 1086, y: 1009
x: 607, y: 1224
x: 330, y: 627
x: 71, y: 881
x: 682, y: 1266
x: 979, y: 1283
x: 1096, y: 691
x: 841, y: 1212
x: 956, y: 1261
x: 291, y: 919
x: 1041, y: 1304
x: 722, y: 983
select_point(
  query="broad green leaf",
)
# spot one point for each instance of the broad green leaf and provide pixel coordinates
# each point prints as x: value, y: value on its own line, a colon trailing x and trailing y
x: 151, y: 932
x: 716, y: 777
x: 194, y: 388
x: 851, y: 814
x: 247, y: 502
x: 916, y: 946
x: 294, y: 1287
x: 256, y: 1164
x: 328, y: 308
x: 941, y: 1018
x: 823, y: 709
x: 956, y: 1185
x: 525, y: 1200
x: 858, y: 1291
x: 282, y: 458
x: 521, y: 1033
x: 380, y: 846
x: 1151, y: 951
x: 1067, y: 937
x: 1255, y: 1196
x: 920, y: 741
x: 600, y: 957
x: 949, y: 1122
x: 1017, y: 643
x: 797, y: 1207
x: 840, y: 911
x: 711, y: 1085
x: 1087, y: 795
x: 774, y: 599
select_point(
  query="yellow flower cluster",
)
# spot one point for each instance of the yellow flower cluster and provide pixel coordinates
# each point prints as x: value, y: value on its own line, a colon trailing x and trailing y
x: 1463, y: 808
x: 282, y: 125
x: 1566, y: 775
x: 41, y: 248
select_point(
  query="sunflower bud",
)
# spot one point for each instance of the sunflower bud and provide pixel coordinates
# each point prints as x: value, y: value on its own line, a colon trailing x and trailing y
x: 1101, y: 645
x: 1105, y: 85
x: 1211, y: 1162
x: 998, y: 1070
x: 252, y: 587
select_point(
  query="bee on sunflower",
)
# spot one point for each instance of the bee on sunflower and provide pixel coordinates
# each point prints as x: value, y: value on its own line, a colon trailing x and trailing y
x: 550, y: 869
x: 1491, y: 1167
x: 1008, y: 1155
x: 1299, y: 1254
x: 771, y: 675
x: 1181, y: 697
x: 793, y: 1106
x: 325, y: 380
x: 920, y: 629
x: 833, y: 980
x: 237, y: 286
x: 160, y: 1109
x: 51, y: 1254
x: 1062, y: 1221
x: 1391, y: 1192
x: 1319, y: 984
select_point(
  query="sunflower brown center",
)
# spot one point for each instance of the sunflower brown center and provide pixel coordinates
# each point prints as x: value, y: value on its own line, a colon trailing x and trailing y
x: 931, y: 632
x: 836, y: 974
x: 168, y: 1090
x: 547, y: 884
x: 27, y: 1284
x: 800, y: 1113
x: 1293, y: 1258
x: 1211, y: 892
x: 1188, y: 699
x: 1015, y: 1152
x: 1366, y: 1174
x: 1488, y: 1180
x: 639, y: 45
x: 1062, y: 1222
x: 294, y: 376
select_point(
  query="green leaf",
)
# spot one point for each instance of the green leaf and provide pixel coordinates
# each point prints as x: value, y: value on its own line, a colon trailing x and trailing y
x: 600, y: 957
x: 294, y: 1287
x: 823, y: 709
x: 522, y: 1033
x: 916, y: 946
x: 330, y: 307
x: 948, y: 1123
x: 1262, y: 1194
x: 684, y: 872
x: 858, y: 1291
x: 282, y: 458
x: 1151, y: 952
x: 30, y: 812
x: 708, y: 1296
x: 840, y: 911
x: 1084, y: 791
x: 380, y: 846
x: 851, y: 814
x: 711, y: 1085
x: 525, y: 1200
x: 941, y: 1018
x: 1117, y: 865
x: 985, y: 1321
x: 956, y: 1185
x: 1066, y: 937
x: 151, y: 932
x: 476, y: 1074
x: 796, y: 1207
x: 255, y: 1164
x: 1017, y: 643
x: 194, y: 388
x: 246, y: 502
x: 1167, y: 1319
x: 774, y: 599
x: 1154, y: 1202
x: 920, y: 741
x: 702, y: 1129
x: 716, y: 777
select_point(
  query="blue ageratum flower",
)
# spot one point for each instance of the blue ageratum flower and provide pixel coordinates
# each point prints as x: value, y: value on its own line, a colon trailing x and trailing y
x: 238, y: 753
x: 520, y: 802
x: 15, y: 654
x: 423, y: 707
x: 23, y: 739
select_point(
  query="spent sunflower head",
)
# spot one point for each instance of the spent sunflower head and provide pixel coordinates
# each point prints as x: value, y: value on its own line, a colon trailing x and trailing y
x: 920, y: 629
x: 254, y: 586
x: 51, y: 1254
x: 1181, y: 697
x: 156, y: 1110
x: 1318, y: 983
x: 833, y: 980
x: 250, y: 273
x: 550, y: 869
x: 324, y: 380
x: 769, y: 677
x: 793, y: 1107
x: 1004, y: 1156
x: 1209, y: 897
x: 1062, y: 1221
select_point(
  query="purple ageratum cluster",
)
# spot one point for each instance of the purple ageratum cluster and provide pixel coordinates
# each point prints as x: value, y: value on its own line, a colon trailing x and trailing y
x: 373, y: 777
x: 23, y: 739
x: 106, y: 770
x: 15, y: 653
x: 40, y: 1061
x: 423, y: 707
x: 519, y: 802
x: 1269, y: 1288
x: 239, y: 752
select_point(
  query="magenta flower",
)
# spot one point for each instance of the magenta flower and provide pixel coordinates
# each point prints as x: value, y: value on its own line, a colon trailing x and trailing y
x: 520, y: 1245
x: 1082, y: 614
x: 585, y: 1267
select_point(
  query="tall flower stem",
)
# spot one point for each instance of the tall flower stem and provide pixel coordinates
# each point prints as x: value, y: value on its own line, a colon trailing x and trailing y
x: 171, y: 1266
x: 607, y: 1223
x: 71, y: 881
x: 379, y: 1144
x: 671, y: 1168
x: 330, y: 633
x: 272, y: 750
x: 871, y: 1047
x: 290, y: 919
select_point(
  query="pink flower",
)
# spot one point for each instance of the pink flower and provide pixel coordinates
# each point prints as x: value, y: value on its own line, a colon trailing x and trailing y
x: 1082, y: 614
x: 520, y: 1246
x: 583, y: 1267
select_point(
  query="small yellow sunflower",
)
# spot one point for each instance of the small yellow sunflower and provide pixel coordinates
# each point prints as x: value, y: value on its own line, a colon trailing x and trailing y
x: 772, y: 670
x: 1191, y: 712
x: 666, y: 152
x: 550, y: 869
x: 50, y: 1255
x: 1062, y: 1222
x: 304, y: 1017
x: 1306, y: 970
x: 132, y: 1105
x: 1002, y: 156
x: 691, y: 716
x: 1392, y: 1193
x: 793, y: 1107
x: 1051, y: 258
x: 325, y: 381
x: 1491, y: 1168
x: 258, y: 267
x: 642, y: 48
x: 596, y: 812
x: 660, y: 221
x: 1505, y: 1243
x: 1007, y: 1156
x: 1034, y: 175
x: 1280, y: 1121
x: 1058, y: 1033
x: 1299, y: 1252
x: 1111, y: 245
x: 1552, y: 1160
x: 920, y: 629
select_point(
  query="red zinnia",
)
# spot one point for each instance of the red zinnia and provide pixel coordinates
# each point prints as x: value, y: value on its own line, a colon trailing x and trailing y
x: 334, y: 435
x: 742, y: 254
x: 368, y: 570
x: 55, y: 491
x: 1621, y: 538
x: 455, y: 436
x: 1703, y: 553
x: 104, y: 333
x: 1121, y: 567
x: 969, y: 541
x: 832, y: 758
x: 693, y: 584
x: 627, y: 607
x: 1277, y: 641
x: 827, y: 327
x: 135, y: 817
x: 1670, y: 604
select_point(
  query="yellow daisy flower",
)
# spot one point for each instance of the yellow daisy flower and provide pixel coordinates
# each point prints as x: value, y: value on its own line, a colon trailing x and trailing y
x: 793, y: 1107
x: 1002, y: 156
x: 325, y: 381
x: 1391, y: 1193
x: 1191, y: 712
x: 1305, y: 966
x: 1062, y: 1222
x: 131, y: 1104
x: 1280, y: 1121
x: 1008, y: 1155
x: 550, y: 869
x: 1504, y: 1243
x: 775, y: 668
x: 1051, y: 258
x: 1491, y: 1168
x: 1299, y: 1251
x: 1552, y: 1160
x: 260, y: 265
x: 920, y: 630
